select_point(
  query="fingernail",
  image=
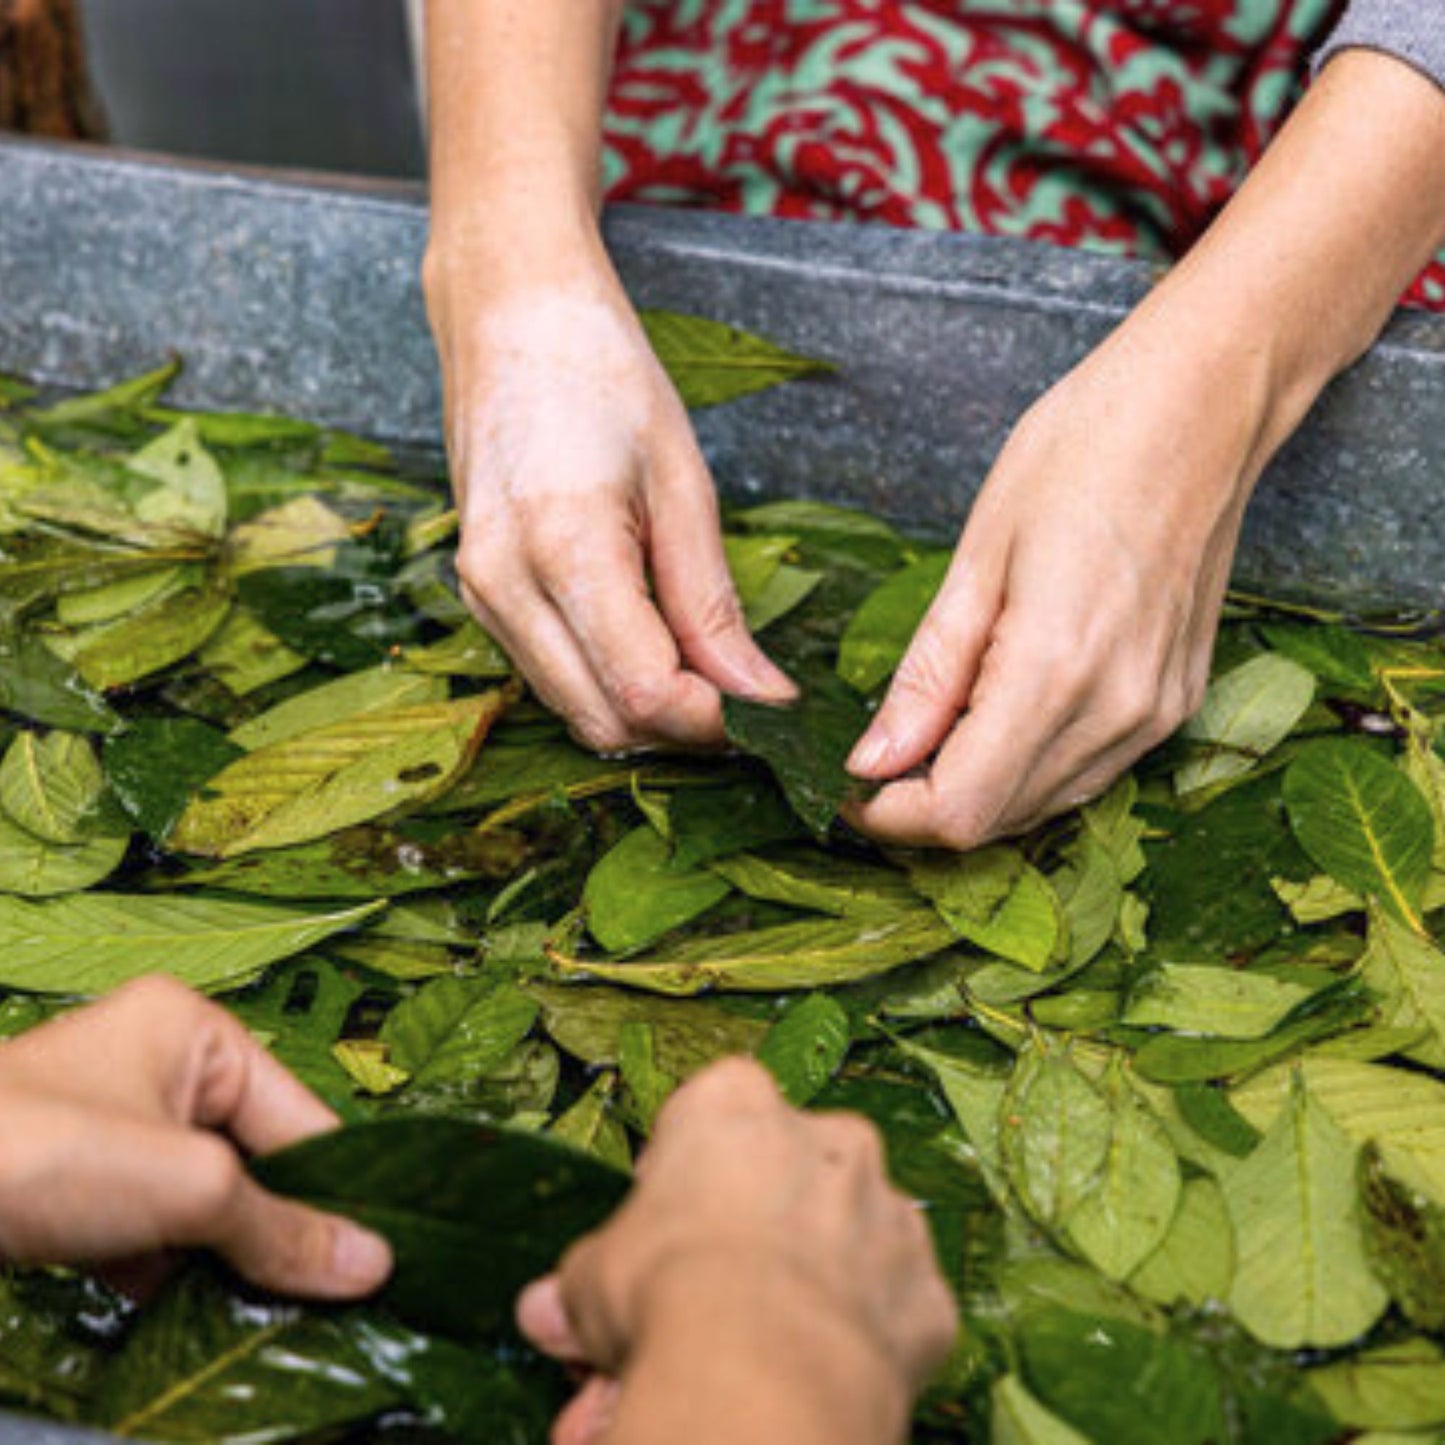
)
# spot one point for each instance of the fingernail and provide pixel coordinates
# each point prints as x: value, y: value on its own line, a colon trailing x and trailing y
x: 361, y: 1257
x: 872, y: 749
x: 768, y: 680
x: 541, y: 1313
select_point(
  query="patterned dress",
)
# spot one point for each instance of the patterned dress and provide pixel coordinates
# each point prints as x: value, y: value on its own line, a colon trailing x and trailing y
x: 1117, y: 125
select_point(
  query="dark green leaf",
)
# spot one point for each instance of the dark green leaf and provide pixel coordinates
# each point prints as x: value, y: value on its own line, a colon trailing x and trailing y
x: 636, y: 894
x: 806, y: 1047
x: 711, y: 823
x: 157, y: 764
x: 473, y: 1214
x: 1405, y: 1243
x: 806, y: 746
x: 456, y: 1030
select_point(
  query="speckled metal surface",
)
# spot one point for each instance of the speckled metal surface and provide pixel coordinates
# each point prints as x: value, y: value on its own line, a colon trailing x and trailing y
x: 301, y: 295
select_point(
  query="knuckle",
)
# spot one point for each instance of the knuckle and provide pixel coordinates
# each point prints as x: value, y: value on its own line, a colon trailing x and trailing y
x: 215, y: 1178
x: 858, y: 1139
x: 158, y: 991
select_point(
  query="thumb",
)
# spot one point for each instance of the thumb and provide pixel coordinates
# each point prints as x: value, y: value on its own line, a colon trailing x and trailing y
x: 275, y: 1243
x: 695, y: 589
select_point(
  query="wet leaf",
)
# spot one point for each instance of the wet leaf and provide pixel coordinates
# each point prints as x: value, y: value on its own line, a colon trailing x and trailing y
x: 33, y: 868
x: 807, y: 1047
x: 1016, y: 1418
x: 806, y: 746
x: 467, y: 652
x: 648, y: 1084
x: 636, y: 894
x: 1396, y: 1387
x: 455, y: 1030
x: 93, y: 942
x: 246, y: 656
x: 377, y: 689
x: 711, y: 823
x: 710, y: 363
x: 208, y: 1364
x: 335, y: 777
x: 1407, y: 972
x: 157, y: 764
x: 472, y: 1213
x: 792, y: 955
x: 40, y: 686
x: 1362, y: 821
x: 125, y: 397
x: 807, y: 879
x: 592, y: 1125
x: 1194, y: 1261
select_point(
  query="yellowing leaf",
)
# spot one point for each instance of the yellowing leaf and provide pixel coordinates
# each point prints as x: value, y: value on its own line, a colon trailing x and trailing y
x: 148, y: 641
x: 376, y: 689
x: 48, y: 785
x: 34, y: 868
x: 335, y: 777
x: 89, y: 943
x: 1302, y: 1278
x: 303, y: 532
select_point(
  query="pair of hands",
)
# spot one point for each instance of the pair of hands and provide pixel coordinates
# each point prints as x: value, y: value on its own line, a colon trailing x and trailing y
x: 1073, y: 633
x: 752, y: 1228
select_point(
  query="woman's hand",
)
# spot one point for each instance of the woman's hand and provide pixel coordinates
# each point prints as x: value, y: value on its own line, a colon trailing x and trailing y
x: 763, y: 1281
x: 1074, y: 629
x: 591, y: 546
x: 122, y: 1131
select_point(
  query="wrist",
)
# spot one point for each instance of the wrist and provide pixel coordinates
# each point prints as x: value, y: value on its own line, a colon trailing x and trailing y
x: 724, y: 1330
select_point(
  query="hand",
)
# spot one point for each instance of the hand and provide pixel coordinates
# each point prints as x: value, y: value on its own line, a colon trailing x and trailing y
x: 1075, y: 627
x: 120, y: 1126
x: 579, y: 481
x: 757, y: 1239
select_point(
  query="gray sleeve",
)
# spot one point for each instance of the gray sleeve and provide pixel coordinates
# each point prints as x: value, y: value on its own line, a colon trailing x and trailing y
x: 1413, y: 30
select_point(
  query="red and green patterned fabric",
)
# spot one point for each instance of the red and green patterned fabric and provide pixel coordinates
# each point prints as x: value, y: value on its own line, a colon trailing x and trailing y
x: 1118, y: 125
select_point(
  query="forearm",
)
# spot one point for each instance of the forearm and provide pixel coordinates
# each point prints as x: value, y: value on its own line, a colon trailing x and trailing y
x: 517, y: 92
x: 730, y: 1359
x: 1303, y: 268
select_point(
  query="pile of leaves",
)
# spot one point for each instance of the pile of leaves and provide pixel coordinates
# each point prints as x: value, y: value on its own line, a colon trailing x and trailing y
x: 1169, y: 1073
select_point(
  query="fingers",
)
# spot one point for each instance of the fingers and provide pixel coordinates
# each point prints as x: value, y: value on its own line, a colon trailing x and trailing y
x: 589, y: 1416
x: 542, y: 1317
x: 629, y: 648
x: 983, y: 764
x: 275, y: 1243
x: 937, y: 674
x: 695, y: 588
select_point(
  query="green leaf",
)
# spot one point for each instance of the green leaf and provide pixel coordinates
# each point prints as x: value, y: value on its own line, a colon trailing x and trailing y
x: 1362, y: 821
x: 711, y: 823
x: 112, y: 600
x: 55, y: 1336
x: 635, y: 894
x: 40, y: 686
x: 648, y: 1084
x: 879, y: 632
x: 1302, y: 1278
x: 148, y: 641
x: 1194, y: 1262
x: 1246, y: 714
x: 1208, y: 1111
x: 51, y: 785
x: 1016, y: 1418
x: 376, y: 689
x: 91, y: 943
x: 208, y: 1364
x: 1401, y: 1110
x: 807, y: 1047
x: 1404, y: 1242
x: 335, y: 777
x: 455, y: 1031
x: 34, y: 868
x: 995, y: 899
x: 791, y: 955
x: 1407, y: 972
x: 472, y: 1213
x: 1054, y: 1136
x: 587, y: 1022
x: 806, y: 745
x: 1396, y: 1387
x: 1213, y: 1001
x: 157, y: 764
x: 806, y: 878
x: 246, y: 656
x: 710, y: 363
x: 467, y: 652
x: 592, y: 1125
x: 1126, y: 1216
x: 128, y: 396
x: 192, y: 490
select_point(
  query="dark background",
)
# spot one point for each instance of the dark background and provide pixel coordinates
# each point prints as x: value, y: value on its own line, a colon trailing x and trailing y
x: 320, y: 84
